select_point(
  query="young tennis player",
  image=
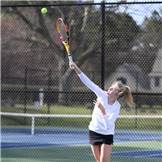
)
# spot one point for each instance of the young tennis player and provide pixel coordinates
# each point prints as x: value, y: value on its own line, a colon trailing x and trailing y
x: 105, y: 113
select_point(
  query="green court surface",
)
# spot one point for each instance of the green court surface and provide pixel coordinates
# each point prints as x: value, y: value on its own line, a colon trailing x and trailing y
x: 83, y: 153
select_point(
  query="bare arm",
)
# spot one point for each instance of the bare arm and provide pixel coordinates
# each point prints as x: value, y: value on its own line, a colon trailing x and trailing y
x: 100, y: 106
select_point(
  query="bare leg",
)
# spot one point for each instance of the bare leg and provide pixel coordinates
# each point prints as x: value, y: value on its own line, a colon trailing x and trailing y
x: 96, y: 149
x: 105, y: 153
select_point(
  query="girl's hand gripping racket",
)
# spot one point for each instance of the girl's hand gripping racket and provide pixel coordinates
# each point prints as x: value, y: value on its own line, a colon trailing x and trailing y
x: 62, y: 29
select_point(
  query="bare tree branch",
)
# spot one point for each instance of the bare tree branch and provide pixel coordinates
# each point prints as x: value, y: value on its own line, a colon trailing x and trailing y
x: 30, y: 25
x: 86, y: 10
x: 43, y: 30
x: 88, y: 53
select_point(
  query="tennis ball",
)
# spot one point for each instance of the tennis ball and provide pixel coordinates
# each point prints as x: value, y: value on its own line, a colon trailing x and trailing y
x: 44, y: 10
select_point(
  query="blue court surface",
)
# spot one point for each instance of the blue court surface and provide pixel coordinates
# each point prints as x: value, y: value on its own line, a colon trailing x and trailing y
x: 144, y: 143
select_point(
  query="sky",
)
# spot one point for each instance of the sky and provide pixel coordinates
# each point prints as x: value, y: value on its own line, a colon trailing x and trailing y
x: 138, y: 11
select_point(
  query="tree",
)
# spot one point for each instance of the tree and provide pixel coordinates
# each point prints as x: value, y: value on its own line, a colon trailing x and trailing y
x: 121, y: 31
x: 148, y: 42
x: 86, y: 26
x: 153, y: 30
x: 40, y: 32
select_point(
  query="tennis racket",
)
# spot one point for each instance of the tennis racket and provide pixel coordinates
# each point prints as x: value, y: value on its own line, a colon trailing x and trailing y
x: 63, y: 32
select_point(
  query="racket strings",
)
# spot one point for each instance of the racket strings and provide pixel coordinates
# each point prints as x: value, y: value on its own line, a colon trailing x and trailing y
x: 64, y: 34
x: 63, y: 30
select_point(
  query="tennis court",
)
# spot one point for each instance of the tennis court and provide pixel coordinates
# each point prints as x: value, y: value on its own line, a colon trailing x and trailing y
x: 46, y: 109
x: 58, y: 144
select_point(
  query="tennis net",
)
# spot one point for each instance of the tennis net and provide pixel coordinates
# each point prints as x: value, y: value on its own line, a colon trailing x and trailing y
x: 31, y: 123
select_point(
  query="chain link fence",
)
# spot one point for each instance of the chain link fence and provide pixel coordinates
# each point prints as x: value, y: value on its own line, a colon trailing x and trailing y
x: 109, y: 41
x: 106, y: 41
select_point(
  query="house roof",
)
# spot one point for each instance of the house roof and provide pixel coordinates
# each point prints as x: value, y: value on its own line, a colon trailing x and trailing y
x: 157, y: 67
x: 136, y: 72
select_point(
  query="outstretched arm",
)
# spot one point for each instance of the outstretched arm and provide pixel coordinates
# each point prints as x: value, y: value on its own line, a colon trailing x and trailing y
x: 92, y: 86
x: 75, y: 67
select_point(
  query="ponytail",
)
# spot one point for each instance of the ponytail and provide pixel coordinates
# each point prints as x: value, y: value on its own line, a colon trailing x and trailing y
x: 126, y: 93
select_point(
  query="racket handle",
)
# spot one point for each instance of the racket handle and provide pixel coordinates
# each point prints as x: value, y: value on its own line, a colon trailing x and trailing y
x: 70, y: 59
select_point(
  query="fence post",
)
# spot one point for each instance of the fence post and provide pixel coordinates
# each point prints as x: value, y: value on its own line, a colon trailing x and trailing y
x: 103, y: 45
x: 25, y: 90
x: 49, y: 93
x: 25, y: 93
x: 136, y: 105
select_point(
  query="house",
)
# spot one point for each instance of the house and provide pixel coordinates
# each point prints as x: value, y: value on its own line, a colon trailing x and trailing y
x: 131, y: 75
x: 156, y: 74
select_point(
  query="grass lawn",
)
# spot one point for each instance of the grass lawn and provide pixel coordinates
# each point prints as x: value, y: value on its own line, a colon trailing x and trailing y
x: 54, y: 109
x: 146, y: 124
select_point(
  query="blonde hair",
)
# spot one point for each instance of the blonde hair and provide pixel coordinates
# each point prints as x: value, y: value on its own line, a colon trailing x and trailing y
x: 125, y: 92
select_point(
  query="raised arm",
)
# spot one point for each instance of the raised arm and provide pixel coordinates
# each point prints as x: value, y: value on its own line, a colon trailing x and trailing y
x: 91, y: 85
x: 75, y: 67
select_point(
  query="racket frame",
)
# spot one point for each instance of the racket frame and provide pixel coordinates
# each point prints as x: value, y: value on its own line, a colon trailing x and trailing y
x: 61, y: 29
